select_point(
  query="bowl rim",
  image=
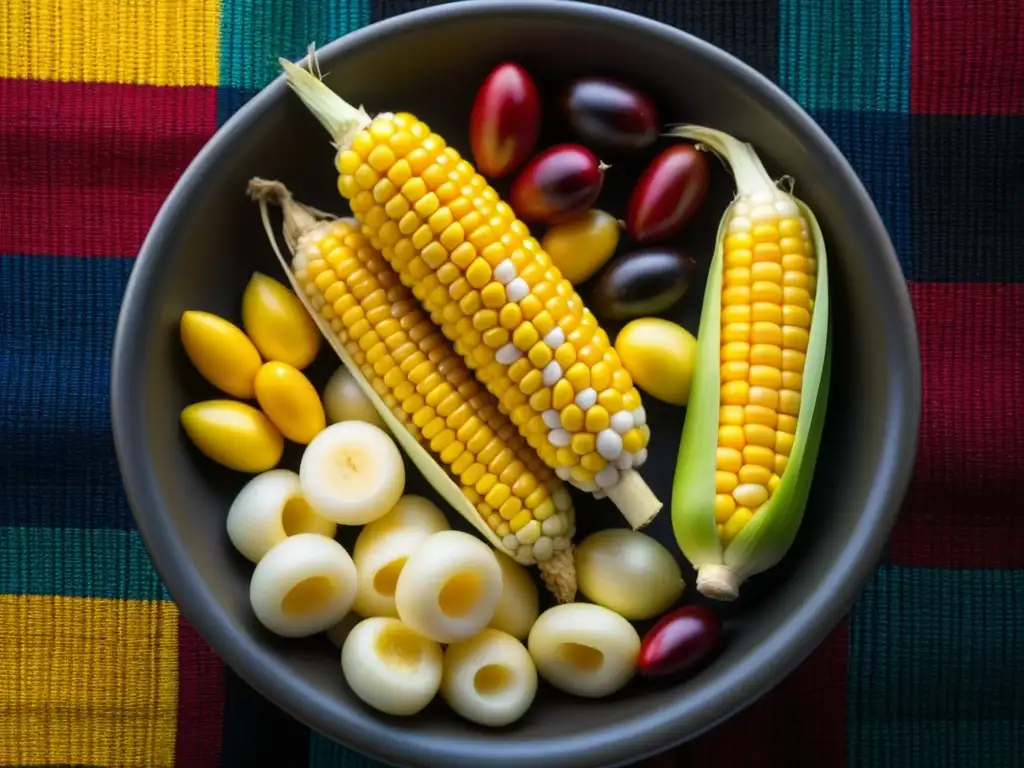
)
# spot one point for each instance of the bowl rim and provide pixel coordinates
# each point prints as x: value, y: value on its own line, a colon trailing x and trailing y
x: 640, y: 736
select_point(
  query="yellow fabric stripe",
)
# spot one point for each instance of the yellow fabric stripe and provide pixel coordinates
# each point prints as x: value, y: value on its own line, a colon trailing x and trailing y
x: 152, y: 42
x: 87, y: 681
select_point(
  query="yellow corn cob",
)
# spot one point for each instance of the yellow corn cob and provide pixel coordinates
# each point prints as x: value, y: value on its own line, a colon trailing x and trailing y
x: 495, y: 293
x: 428, y: 388
x: 768, y: 281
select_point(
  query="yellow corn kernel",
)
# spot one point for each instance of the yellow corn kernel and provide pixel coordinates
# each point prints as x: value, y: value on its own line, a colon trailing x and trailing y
x: 516, y: 523
x: 783, y: 443
x: 583, y: 443
x: 766, y: 333
x: 766, y: 312
x: 792, y: 381
x: 479, y: 273
x: 735, y: 314
x: 741, y: 257
x: 731, y: 436
x: 593, y: 462
x: 633, y: 440
x: 789, y: 402
x: 766, y: 271
x: 728, y: 459
x: 773, y: 483
x: 735, y: 393
x: 725, y: 482
x: 765, y: 233
x: 736, y: 350
x: 630, y: 399
x: 780, y: 464
x: 735, y: 371
x: 759, y: 434
x: 758, y: 414
x: 736, y: 295
x: 767, y: 251
x: 765, y: 397
x: 562, y: 394
x: 766, y: 354
x: 794, y: 337
x: 760, y: 455
x: 765, y: 376
x: 612, y: 400
x: 578, y: 376
x: 750, y: 496
x: 582, y: 475
x: 786, y: 424
x: 738, y: 241
x: 754, y: 474
x: 736, y: 276
x: 572, y: 418
x: 739, y: 520
x: 731, y: 414
x: 725, y: 505
x: 736, y: 332
x: 597, y: 418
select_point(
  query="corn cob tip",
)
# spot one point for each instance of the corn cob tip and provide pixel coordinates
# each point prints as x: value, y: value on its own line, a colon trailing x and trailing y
x: 559, y: 575
x: 298, y: 219
x: 341, y: 120
x: 719, y: 582
x: 634, y: 499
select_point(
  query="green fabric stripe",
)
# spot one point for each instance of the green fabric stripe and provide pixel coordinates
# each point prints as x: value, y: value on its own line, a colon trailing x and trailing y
x: 834, y: 54
x: 324, y: 753
x: 77, y: 562
x: 937, y: 669
x: 254, y: 33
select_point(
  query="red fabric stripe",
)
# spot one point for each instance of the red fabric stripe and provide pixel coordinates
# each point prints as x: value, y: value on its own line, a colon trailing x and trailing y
x: 801, y: 722
x: 967, y: 58
x: 86, y: 166
x: 200, y: 701
x: 962, y: 509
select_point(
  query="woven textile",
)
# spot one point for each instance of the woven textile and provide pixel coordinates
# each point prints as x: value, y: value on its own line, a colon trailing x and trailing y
x: 102, y: 105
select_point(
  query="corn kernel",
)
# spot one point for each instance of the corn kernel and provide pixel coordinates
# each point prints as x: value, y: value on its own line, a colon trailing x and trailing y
x: 731, y: 436
x: 766, y: 292
x: 366, y: 177
x: 796, y: 279
x: 541, y: 400
x: 728, y: 459
x: 763, y: 396
x: 493, y: 295
x: 736, y: 332
x: 597, y: 419
x: 765, y: 376
x: 737, y: 276
x: 582, y: 475
x: 593, y: 462
x: 773, y: 483
x: 753, y: 474
x: 562, y: 394
x: 578, y: 376
x: 780, y: 464
x: 510, y: 316
x: 735, y: 392
x: 611, y: 400
x: 734, y: 371
x: 565, y: 356
x: 540, y: 354
x: 531, y: 382
x: 725, y: 482
x: 736, y: 295
x: 731, y: 415
x: 758, y: 454
x: 725, y: 505
x: 739, y: 520
x: 797, y: 297
x: 583, y: 443
x: 787, y: 423
x: 738, y: 241
x: 767, y: 252
x: 520, y: 520
x: 572, y: 418
x: 783, y: 443
x: 742, y: 257
x: 750, y: 495
x: 479, y: 273
x: 630, y: 399
x: 736, y: 351
x: 766, y: 333
x: 793, y: 360
x: 633, y: 440
x: 766, y: 271
x: 525, y: 336
x: 759, y: 434
x: 735, y: 314
x: 789, y: 402
x: 566, y: 457
x: 758, y: 414
x: 794, y: 337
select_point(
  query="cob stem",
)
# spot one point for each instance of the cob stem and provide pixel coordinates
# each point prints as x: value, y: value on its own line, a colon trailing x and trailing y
x: 719, y: 582
x: 559, y: 575
x: 298, y: 219
x: 634, y: 499
x: 341, y: 119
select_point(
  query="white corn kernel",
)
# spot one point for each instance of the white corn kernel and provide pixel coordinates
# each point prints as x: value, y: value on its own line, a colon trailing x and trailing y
x: 786, y: 207
x: 505, y: 272
x: 607, y: 477
x: 739, y: 224
x: 517, y: 290
x: 508, y: 354
x: 555, y: 338
x: 561, y: 499
x: 640, y: 457
x: 510, y: 542
x: 552, y: 418
x: 586, y: 398
x: 622, y: 422
x: 639, y: 416
x: 552, y: 373
x: 559, y: 438
x: 609, y: 444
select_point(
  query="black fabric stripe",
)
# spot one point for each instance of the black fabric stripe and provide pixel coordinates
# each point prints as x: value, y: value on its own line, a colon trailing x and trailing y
x: 257, y: 733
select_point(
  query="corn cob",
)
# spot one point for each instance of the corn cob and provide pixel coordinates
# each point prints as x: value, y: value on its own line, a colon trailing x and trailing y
x: 494, y: 292
x: 760, y: 384
x: 520, y: 505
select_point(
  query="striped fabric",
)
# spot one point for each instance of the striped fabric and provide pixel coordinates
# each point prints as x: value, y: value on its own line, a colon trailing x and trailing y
x: 102, y: 105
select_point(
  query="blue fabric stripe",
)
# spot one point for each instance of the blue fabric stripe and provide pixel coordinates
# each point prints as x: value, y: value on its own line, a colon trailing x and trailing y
x: 936, y: 673
x: 57, y: 463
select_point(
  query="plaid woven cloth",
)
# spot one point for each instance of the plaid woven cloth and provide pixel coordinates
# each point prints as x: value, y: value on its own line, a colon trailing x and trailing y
x: 102, y: 105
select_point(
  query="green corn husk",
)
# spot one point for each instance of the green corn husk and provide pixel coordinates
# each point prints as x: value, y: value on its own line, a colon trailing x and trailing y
x: 768, y: 536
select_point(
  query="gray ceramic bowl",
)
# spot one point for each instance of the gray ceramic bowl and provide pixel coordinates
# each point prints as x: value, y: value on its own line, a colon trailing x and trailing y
x: 207, y: 240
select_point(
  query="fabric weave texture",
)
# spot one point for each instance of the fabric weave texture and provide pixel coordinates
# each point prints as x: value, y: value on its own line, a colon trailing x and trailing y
x: 102, y: 105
